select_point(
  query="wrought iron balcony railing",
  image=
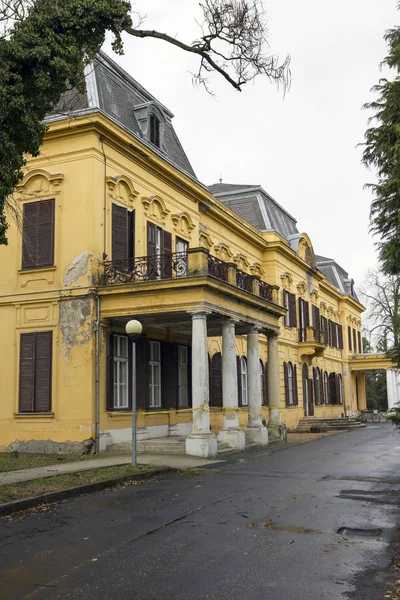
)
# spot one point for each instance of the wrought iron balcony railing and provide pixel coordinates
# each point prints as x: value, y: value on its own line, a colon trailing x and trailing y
x: 194, y: 262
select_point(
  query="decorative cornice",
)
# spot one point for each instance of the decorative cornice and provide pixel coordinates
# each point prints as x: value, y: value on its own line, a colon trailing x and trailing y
x: 183, y: 223
x: 156, y: 208
x: 39, y: 183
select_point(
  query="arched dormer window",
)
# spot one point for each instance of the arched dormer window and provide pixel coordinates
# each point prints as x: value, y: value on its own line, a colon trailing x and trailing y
x: 154, y: 126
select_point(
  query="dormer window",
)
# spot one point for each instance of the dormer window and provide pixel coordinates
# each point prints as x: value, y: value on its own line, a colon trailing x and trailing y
x: 155, y: 130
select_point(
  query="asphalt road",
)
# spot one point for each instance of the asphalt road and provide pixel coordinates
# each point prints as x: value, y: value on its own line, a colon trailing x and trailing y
x: 279, y: 525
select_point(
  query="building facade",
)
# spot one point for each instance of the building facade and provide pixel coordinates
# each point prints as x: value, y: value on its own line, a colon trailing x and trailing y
x: 245, y: 330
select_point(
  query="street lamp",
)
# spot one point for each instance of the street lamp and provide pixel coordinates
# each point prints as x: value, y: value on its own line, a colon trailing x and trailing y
x: 133, y: 328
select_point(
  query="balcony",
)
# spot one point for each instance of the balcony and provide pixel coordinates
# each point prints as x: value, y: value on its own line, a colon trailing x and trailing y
x: 196, y: 262
x: 311, y: 342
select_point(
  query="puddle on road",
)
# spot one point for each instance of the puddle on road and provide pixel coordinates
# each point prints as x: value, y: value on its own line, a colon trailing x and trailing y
x: 354, y: 532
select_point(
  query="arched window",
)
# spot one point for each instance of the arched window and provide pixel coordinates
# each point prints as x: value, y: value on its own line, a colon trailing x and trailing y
x: 317, y: 385
x: 326, y: 388
x: 290, y: 384
x: 243, y: 373
x: 154, y: 130
x: 339, y: 385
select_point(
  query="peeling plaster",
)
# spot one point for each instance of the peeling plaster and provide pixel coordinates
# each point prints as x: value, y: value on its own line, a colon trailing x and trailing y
x: 75, y: 322
x: 77, y: 268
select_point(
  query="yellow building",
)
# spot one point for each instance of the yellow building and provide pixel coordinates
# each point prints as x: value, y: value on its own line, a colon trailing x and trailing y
x: 242, y: 324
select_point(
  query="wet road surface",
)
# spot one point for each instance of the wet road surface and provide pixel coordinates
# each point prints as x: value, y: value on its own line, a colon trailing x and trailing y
x: 303, y: 522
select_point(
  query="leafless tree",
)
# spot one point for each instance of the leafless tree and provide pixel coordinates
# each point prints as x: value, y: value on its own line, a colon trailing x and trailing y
x: 381, y: 296
x: 232, y: 42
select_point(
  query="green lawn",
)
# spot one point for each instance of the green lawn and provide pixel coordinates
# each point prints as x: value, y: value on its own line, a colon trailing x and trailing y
x: 26, y: 461
x: 10, y: 492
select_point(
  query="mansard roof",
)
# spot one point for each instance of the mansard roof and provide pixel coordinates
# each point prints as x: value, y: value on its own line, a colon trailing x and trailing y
x: 256, y: 206
x: 113, y: 92
x: 336, y: 275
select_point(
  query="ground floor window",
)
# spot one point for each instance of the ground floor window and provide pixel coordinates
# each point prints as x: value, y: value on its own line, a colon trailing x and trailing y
x: 155, y: 375
x: 121, y: 372
x: 35, y: 372
x: 243, y: 373
x: 290, y: 377
x: 183, y: 388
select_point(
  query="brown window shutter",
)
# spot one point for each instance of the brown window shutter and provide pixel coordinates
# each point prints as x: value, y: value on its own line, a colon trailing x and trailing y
x: 120, y: 233
x: 43, y: 360
x: 167, y: 252
x: 359, y: 343
x: 321, y: 383
x: 131, y: 234
x: 216, y: 380
x: 315, y: 385
x: 45, y: 233
x: 349, y: 338
x: 286, y: 380
x: 326, y: 332
x: 151, y: 239
x: 354, y: 341
x: 315, y: 317
x: 142, y: 373
x: 38, y: 234
x: 292, y: 311
x: 332, y: 388
x: 27, y: 373
x: 169, y: 374
x: 295, y: 392
x: 306, y: 314
x: 340, y: 337
x: 110, y: 372
x: 266, y: 396
x: 239, y: 378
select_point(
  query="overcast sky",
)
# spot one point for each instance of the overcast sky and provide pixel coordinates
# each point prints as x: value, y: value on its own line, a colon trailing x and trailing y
x: 301, y: 148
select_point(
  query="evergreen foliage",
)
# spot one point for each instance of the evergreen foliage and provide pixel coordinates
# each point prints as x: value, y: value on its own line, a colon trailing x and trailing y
x: 382, y: 151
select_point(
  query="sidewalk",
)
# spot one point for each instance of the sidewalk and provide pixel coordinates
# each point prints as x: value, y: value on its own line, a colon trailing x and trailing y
x: 175, y: 461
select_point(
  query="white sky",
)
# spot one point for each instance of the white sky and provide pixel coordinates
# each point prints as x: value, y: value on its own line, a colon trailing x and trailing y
x: 301, y: 148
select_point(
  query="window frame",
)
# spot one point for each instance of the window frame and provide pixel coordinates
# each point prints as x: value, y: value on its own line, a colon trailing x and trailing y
x: 118, y: 361
x: 38, y: 236
x: 153, y: 363
x: 35, y: 368
x: 286, y: 304
x: 290, y: 379
x: 184, y: 386
x: 244, y: 381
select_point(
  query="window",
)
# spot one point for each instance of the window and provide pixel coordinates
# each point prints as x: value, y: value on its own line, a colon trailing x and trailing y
x: 290, y: 384
x: 155, y: 130
x: 287, y: 306
x: 354, y: 341
x: 181, y: 264
x: 290, y: 377
x: 155, y: 375
x: 339, y: 389
x: 243, y: 373
x: 317, y: 386
x: 38, y: 234
x: 123, y: 235
x: 304, y: 319
x: 262, y: 383
x: 183, y: 390
x: 159, y: 253
x: 326, y: 388
x: 35, y: 372
x: 121, y: 372
x: 349, y: 338
x: 360, y: 348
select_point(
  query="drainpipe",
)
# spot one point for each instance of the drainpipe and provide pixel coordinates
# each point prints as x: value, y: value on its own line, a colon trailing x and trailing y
x: 97, y: 375
x: 102, y: 140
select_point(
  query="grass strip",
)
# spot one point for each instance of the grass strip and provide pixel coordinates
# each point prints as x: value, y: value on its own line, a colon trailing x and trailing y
x: 37, y: 487
x: 9, y: 462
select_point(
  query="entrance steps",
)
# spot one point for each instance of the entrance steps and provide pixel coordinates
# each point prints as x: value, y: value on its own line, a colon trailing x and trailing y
x: 307, y: 424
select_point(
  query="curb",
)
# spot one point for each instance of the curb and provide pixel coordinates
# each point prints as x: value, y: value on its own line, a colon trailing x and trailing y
x: 17, y: 505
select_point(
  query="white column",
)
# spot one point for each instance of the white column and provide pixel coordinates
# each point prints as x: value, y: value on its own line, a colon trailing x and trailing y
x: 231, y: 434
x: 255, y: 431
x: 274, y: 384
x: 393, y: 388
x: 200, y: 442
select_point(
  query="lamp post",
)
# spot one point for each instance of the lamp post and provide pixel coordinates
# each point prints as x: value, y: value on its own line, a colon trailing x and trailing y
x: 133, y: 328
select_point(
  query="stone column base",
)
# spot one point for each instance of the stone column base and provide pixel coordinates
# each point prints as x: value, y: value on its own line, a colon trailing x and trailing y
x: 256, y: 435
x: 275, y: 416
x: 277, y: 431
x: 235, y: 438
x: 201, y: 444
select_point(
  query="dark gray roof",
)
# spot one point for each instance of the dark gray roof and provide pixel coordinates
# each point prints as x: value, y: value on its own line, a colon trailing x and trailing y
x: 336, y: 275
x: 256, y: 206
x: 117, y: 95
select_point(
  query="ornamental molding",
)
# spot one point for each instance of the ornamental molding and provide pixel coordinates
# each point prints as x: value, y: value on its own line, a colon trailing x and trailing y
x: 301, y: 288
x: 314, y: 295
x: 330, y: 312
x: 322, y: 308
x: 287, y: 281
x: 39, y: 183
x: 156, y: 208
x: 256, y: 269
x: 121, y: 189
x: 223, y: 251
x: 183, y: 223
x: 241, y: 261
x: 205, y: 240
x: 359, y: 322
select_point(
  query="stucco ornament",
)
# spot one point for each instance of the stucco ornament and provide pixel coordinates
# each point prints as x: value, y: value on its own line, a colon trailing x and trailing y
x: 302, y: 288
x: 314, y: 295
x: 241, y: 261
x: 205, y: 240
x: 287, y: 281
x: 121, y: 189
x: 183, y: 223
x: 322, y: 308
x: 39, y: 183
x: 156, y: 208
x: 223, y: 251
